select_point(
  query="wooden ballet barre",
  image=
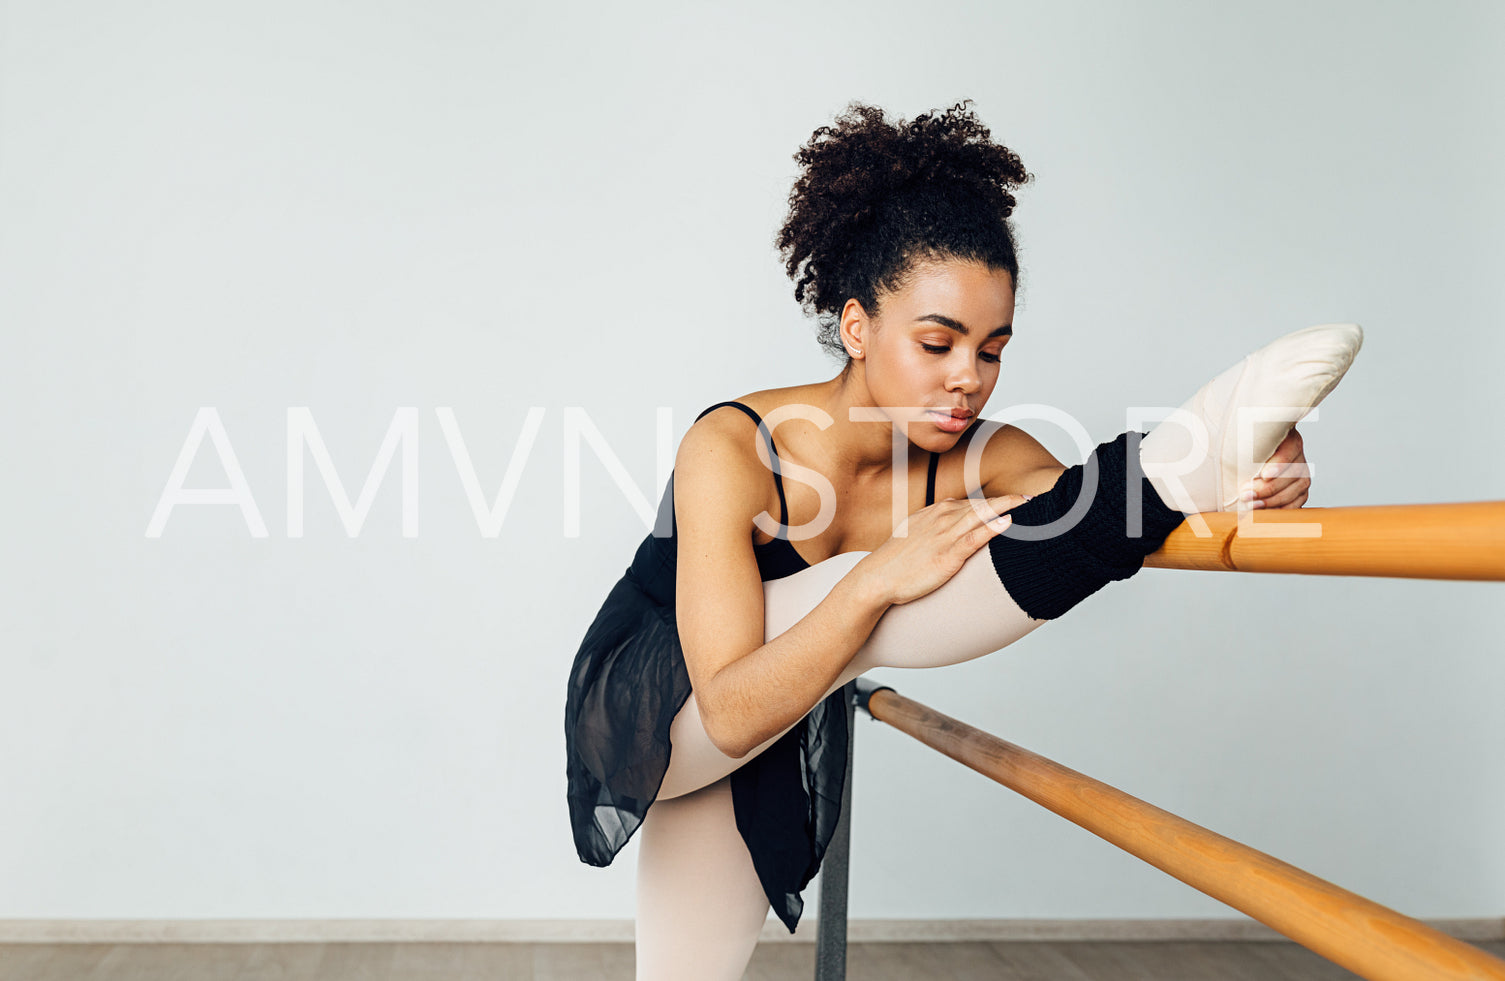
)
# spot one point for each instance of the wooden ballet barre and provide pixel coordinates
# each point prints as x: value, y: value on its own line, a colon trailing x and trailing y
x: 1369, y: 939
x: 1412, y: 541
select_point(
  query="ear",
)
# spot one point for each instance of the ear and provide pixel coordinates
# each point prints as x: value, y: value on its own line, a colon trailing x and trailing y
x: 856, y: 330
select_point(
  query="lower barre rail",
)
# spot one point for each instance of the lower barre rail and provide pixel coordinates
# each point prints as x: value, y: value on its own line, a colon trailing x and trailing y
x: 1369, y: 939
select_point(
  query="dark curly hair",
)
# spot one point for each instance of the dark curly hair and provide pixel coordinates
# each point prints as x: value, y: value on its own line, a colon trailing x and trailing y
x: 873, y: 199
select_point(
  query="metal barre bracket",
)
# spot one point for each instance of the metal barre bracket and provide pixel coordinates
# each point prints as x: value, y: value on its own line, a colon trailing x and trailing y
x: 864, y: 694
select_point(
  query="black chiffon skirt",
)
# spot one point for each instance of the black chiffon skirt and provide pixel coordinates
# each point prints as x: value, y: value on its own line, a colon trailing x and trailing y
x: 626, y: 684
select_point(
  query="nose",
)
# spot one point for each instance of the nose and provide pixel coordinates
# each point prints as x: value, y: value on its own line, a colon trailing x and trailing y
x: 963, y: 376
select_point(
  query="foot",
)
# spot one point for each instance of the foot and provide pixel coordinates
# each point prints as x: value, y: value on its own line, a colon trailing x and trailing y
x: 1195, y: 460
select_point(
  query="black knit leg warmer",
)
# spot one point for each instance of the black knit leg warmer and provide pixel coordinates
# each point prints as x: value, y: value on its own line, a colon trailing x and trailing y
x: 1048, y: 570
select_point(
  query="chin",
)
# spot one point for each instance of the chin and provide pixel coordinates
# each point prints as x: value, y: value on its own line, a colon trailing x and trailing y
x: 936, y: 440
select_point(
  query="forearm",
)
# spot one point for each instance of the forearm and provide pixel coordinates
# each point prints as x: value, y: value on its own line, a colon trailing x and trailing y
x: 761, y: 694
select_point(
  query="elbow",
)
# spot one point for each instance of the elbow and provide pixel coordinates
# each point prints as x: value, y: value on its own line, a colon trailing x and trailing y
x: 733, y: 741
x: 734, y: 745
x: 735, y: 750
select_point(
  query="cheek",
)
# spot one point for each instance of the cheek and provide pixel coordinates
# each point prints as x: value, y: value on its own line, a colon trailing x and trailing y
x: 903, y: 379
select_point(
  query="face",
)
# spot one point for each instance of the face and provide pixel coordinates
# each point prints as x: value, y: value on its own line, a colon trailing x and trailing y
x: 930, y: 359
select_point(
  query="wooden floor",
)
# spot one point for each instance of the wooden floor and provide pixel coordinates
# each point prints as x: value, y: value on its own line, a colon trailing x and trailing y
x: 1012, y: 961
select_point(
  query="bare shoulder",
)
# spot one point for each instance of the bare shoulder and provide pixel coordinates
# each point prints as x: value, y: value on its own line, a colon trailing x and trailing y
x: 721, y: 457
x: 777, y: 401
x: 718, y: 455
x: 772, y: 405
x: 1012, y: 462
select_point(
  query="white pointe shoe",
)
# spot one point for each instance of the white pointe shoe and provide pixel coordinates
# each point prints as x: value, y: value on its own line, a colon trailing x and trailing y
x: 1194, y: 458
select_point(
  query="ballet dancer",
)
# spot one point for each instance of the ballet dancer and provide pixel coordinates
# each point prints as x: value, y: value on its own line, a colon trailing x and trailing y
x: 704, y: 704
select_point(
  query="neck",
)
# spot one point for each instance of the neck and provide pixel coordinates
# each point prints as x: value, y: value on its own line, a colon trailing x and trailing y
x: 856, y: 448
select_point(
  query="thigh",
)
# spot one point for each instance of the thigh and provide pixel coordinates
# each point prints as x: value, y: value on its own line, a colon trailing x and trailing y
x: 969, y: 615
x: 700, y: 906
x: 694, y: 760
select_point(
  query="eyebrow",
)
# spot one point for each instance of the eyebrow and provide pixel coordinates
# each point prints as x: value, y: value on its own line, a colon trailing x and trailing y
x: 961, y: 328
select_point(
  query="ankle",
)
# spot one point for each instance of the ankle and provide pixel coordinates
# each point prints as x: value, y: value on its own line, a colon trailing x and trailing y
x: 1094, y: 526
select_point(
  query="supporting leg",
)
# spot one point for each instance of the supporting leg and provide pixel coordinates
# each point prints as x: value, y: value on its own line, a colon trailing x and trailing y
x: 700, y: 906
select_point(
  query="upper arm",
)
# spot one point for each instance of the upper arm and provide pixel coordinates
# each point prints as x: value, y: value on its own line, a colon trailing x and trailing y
x: 719, y: 486
x: 1014, y: 462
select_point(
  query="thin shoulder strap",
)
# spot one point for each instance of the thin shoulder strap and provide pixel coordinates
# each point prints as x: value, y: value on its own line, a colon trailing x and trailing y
x: 935, y: 461
x: 773, y: 455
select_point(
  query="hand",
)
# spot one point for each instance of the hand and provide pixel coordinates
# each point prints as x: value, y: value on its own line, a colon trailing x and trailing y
x: 933, y: 543
x: 1283, y: 489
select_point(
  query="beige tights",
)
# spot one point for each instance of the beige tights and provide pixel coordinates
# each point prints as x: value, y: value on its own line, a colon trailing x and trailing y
x: 700, y: 905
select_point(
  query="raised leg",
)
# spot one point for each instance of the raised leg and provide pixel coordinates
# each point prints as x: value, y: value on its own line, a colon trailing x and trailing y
x: 970, y: 615
x: 983, y: 607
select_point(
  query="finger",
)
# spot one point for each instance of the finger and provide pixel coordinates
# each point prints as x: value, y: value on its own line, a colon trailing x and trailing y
x: 1274, y: 485
x: 986, y: 509
x: 1290, y: 494
x: 1272, y: 470
x: 1274, y: 479
x: 979, y: 536
x: 1286, y: 454
x: 1260, y: 488
x: 1275, y: 476
x: 1296, y: 502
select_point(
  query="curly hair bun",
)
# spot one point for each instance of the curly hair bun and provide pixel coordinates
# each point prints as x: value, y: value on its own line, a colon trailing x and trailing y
x: 872, y: 197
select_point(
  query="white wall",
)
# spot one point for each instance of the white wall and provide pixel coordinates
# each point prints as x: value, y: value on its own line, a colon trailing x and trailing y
x: 356, y: 208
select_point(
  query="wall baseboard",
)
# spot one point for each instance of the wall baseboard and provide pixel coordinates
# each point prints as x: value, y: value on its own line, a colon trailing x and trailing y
x: 620, y: 931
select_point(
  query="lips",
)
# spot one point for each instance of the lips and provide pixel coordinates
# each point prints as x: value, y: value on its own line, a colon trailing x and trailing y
x: 952, y: 420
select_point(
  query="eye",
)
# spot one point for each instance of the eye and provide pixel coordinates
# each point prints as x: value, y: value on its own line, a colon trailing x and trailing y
x: 934, y: 348
x: 990, y: 358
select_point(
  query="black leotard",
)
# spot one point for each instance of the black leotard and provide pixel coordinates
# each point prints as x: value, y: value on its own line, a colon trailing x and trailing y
x: 627, y: 683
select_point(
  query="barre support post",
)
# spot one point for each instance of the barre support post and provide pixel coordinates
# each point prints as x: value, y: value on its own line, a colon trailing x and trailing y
x: 831, y: 929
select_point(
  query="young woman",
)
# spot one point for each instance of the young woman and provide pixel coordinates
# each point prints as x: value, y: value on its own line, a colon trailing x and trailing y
x: 709, y: 685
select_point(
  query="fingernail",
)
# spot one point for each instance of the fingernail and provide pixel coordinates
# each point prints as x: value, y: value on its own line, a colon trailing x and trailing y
x: 1271, y: 471
x: 1247, y: 495
x: 1029, y: 497
x: 1257, y: 504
